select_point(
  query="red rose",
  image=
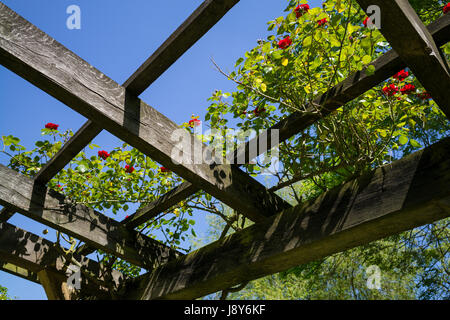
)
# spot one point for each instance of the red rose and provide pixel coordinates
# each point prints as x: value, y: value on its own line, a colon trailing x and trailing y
x: 103, y: 154
x: 258, y: 111
x: 402, y: 75
x: 446, y: 8
x: 322, y: 22
x: 407, y: 89
x: 51, y: 126
x: 390, y: 90
x: 285, y: 43
x: 127, y: 217
x: 366, y: 21
x: 301, y: 9
x: 425, y: 96
x: 194, y: 123
x: 129, y: 169
x: 60, y: 187
x: 164, y: 169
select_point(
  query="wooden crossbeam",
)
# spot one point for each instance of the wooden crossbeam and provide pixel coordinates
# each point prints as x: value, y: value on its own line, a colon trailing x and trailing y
x: 397, y: 197
x: 349, y: 89
x: 32, y: 54
x: 190, y: 31
x: 408, y: 36
x: 35, y: 201
x: 19, y: 272
x: 26, y: 254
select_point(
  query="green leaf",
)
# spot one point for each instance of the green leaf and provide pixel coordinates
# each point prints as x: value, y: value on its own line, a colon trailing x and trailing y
x: 370, y: 70
x: 415, y: 144
x: 403, y: 140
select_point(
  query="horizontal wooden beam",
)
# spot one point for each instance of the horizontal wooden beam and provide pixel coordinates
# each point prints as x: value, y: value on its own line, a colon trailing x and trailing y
x: 35, y: 201
x: 397, y: 197
x: 34, y: 55
x: 22, y: 250
x: 188, y: 33
x: 408, y: 36
x: 349, y: 89
x: 19, y: 272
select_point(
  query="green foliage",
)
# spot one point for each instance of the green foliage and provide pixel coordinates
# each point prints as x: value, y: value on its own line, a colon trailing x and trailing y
x: 105, y: 184
x: 4, y: 294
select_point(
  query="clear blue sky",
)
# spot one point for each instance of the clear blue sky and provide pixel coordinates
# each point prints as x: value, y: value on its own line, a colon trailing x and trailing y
x: 116, y: 36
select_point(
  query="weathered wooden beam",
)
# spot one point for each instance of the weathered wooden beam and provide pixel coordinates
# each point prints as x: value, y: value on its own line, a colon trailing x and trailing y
x: 349, y: 89
x: 400, y: 196
x: 407, y: 35
x: 69, y: 150
x: 190, y: 31
x: 26, y: 251
x: 35, y: 201
x: 54, y: 287
x: 19, y: 272
x: 38, y: 58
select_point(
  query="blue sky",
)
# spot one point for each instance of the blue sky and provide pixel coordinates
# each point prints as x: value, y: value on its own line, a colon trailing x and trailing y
x: 116, y: 37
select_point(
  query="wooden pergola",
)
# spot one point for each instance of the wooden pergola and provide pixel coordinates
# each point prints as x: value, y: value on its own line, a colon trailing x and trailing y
x: 403, y: 195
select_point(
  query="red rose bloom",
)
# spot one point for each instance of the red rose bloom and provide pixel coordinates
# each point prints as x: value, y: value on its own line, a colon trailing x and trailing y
x: 127, y: 217
x: 402, y: 75
x: 129, y: 169
x: 194, y: 123
x: 390, y: 90
x: 258, y: 111
x: 164, y: 169
x: 60, y: 187
x: 51, y: 126
x: 285, y: 43
x: 103, y: 154
x: 446, y: 8
x: 425, y: 96
x: 322, y: 22
x: 301, y: 9
x: 366, y: 20
x: 407, y: 89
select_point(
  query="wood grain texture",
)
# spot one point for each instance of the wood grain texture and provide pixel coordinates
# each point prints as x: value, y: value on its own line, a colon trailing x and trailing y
x: 409, y: 37
x: 188, y: 33
x: 33, y: 200
x: 38, y: 58
x: 26, y: 252
x: 405, y: 194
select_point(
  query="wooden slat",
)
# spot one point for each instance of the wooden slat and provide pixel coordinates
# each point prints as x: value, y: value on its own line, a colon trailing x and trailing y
x: 351, y: 88
x: 33, y: 55
x: 74, y: 146
x: 19, y: 272
x: 198, y: 23
x: 50, y: 208
x: 408, y: 36
x: 397, y: 197
x: 27, y: 251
